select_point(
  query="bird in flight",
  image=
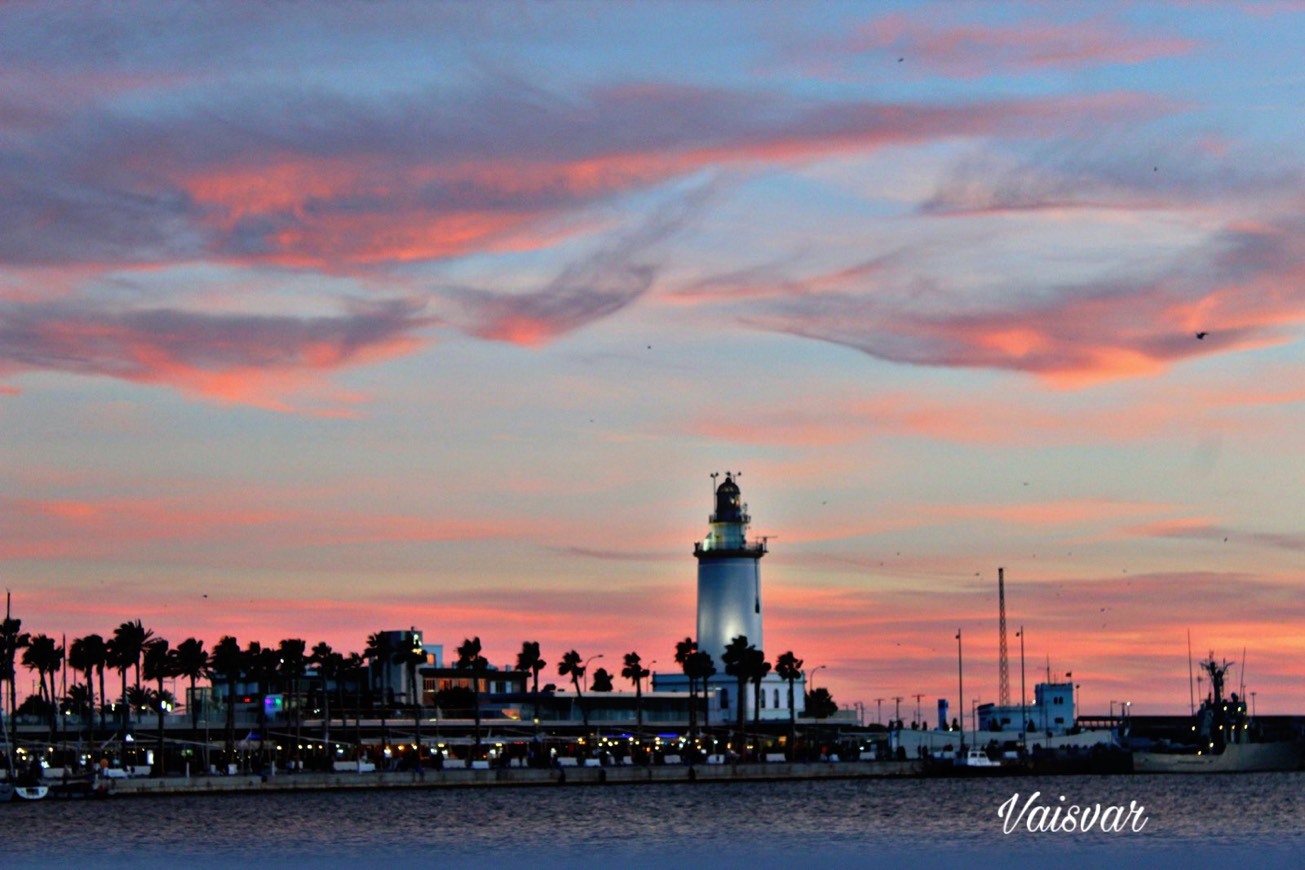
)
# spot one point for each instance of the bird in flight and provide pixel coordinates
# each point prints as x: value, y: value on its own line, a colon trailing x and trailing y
x: 1201, y: 335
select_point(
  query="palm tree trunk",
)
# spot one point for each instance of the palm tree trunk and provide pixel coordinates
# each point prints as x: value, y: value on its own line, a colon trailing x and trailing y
x: 99, y: 669
x: 792, y: 721
x: 90, y: 701
x: 158, y: 710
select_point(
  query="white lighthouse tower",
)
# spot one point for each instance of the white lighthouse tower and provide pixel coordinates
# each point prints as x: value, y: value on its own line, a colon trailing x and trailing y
x: 729, y: 576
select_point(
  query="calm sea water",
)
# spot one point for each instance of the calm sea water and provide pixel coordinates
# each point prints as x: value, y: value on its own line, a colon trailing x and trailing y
x: 1259, y: 817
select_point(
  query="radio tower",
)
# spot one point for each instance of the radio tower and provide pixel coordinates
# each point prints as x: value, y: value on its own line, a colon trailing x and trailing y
x: 1003, y: 689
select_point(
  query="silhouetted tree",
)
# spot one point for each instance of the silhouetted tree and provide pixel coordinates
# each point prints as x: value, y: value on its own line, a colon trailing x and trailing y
x: 125, y: 650
x: 635, y: 672
x: 735, y: 658
x: 160, y: 664
x: 701, y: 667
x: 758, y: 668
x: 192, y: 663
x: 789, y: 668
x: 530, y: 662
x: 45, y: 657
x: 412, y: 657
x: 683, y: 650
x: 227, y: 662
x: 470, y: 659
x: 602, y: 681
x: 570, y: 666
x: 820, y: 704
x: 85, y: 654
x: 12, y: 639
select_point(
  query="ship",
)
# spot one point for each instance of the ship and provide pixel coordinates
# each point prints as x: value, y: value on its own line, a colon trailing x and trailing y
x: 1221, y: 738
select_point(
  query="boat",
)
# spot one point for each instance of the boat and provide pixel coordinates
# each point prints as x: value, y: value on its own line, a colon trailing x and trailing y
x: 976, y: 758
x: 1221, y: 739
x: 25, y: 786
x: 1235, y: 758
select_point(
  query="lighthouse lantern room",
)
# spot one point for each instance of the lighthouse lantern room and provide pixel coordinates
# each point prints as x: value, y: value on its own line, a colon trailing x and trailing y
x: 729, y: 575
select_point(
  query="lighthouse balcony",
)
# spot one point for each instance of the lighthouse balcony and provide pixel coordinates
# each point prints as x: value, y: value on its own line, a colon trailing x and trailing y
x: 714, y: 550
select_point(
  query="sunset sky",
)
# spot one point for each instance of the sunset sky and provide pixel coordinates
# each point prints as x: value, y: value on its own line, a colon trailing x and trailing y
x: 317, y: 320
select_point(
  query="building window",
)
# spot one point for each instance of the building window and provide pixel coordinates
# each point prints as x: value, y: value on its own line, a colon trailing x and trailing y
x: 724, y: 699
x: 777, y: 699
x: 762, y: 696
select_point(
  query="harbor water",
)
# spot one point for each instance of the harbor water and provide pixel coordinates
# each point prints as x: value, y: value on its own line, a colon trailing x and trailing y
x: 922, y: 822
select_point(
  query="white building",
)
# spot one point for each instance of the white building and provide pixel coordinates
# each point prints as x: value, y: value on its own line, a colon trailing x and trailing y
x: 1052, y: 712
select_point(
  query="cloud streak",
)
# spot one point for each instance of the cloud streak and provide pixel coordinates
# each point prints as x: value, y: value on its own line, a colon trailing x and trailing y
x: 228, y: 357
x: 1241, y: 287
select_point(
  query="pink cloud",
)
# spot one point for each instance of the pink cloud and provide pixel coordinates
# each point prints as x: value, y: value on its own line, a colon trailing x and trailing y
x: 272, y: 362
x: 980, y: 50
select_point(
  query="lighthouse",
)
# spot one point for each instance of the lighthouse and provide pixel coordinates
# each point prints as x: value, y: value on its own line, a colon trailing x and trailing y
x: 729, y: 576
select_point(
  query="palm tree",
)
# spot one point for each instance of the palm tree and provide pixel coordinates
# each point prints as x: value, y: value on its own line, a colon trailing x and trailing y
x: 12, y: 639
x: 227, y: 662
x: 160, y: 664
x: 635, y: 672
x: 789, y: 668
x: 261, y: 667
x: 410, y: 658
x: 735, y: 658
x: 530, y: 662
x: 292, y: 661
x: 701, y: 667
x: 329, y: 663
x: 192, y: 663
x: 356, y: 665
x: 128, y: 645
x: 683, y: 650
x: 380, y: 650
x: 758, y: 667
x: 86, y: 655
x: 570, y: 665
x: 470, y: 659
x: 45, y: 657
x: 79, y: 701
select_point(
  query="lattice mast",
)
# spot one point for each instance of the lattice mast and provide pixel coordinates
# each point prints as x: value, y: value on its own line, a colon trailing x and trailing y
x: 1004, y: 661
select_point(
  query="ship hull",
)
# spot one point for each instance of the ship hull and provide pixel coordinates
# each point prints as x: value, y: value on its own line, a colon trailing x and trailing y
x: 1235, y: 758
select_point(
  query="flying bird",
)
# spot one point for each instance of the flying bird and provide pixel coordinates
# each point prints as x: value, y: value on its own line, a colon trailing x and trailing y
x: 1201, y: 335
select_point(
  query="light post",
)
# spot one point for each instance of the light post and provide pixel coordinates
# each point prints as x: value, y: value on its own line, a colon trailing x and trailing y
x: 1024, y: 711
x: 584, y: 678
x: 1252, y: 705
x: 879, y: 711
x: 960, y: 685
x: 811, y: 681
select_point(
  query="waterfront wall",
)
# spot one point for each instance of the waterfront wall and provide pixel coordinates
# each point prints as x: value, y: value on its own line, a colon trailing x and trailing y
x: 455, y: 778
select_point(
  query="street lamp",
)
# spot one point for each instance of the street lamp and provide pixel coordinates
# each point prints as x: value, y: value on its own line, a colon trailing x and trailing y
x: 585, y: 676
x: 1024, y: 710
x: 811, y: 680
x: 960, y: 685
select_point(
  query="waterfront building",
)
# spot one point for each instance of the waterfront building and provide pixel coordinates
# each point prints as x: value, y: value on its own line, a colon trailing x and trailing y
x: 1052, y: 712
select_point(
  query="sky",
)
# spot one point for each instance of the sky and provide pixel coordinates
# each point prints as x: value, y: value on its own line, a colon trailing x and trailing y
x: 324, y: 319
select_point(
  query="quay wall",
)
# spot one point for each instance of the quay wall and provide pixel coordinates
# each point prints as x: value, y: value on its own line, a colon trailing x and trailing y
x: 463, y: 778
